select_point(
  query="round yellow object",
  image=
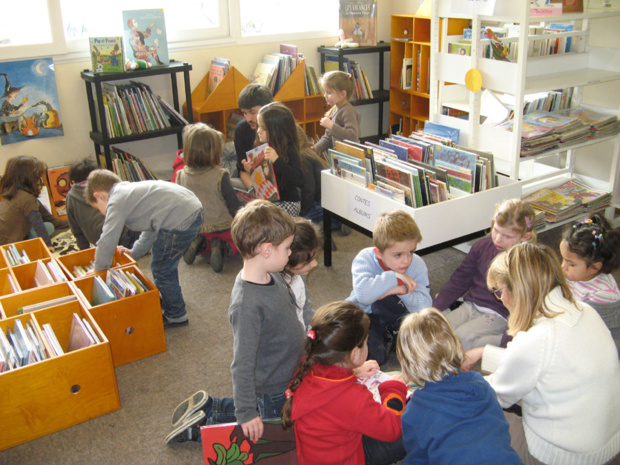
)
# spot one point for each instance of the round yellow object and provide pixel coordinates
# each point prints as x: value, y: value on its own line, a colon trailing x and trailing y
x: 473, y: 80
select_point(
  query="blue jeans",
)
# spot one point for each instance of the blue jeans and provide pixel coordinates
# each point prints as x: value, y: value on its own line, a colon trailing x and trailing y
x: 223, y: 409
x: 167, y: 250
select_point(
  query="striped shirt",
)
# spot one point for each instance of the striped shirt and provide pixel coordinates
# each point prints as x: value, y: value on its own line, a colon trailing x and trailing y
x: 603, y: 289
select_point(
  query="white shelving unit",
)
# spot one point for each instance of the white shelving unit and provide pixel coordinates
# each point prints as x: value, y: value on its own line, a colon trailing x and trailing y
x: 584, y: 65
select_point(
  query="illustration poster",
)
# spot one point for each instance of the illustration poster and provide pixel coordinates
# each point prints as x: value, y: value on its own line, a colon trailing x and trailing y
x: 146, y: 43
x: 28, y: 101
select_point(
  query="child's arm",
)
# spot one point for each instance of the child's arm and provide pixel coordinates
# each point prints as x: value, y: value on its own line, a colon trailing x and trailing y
x: 36, y: 222
x: 369, y: 368
x: 460, y: 281
x: 110, y: 234
x: 290, y: 170
x: 346, y: 124
x: 421, y: 296
x: 370, y: 281
x: 307, y: 311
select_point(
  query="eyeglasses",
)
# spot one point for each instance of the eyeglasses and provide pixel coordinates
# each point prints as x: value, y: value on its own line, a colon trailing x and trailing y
x: 498, y: 292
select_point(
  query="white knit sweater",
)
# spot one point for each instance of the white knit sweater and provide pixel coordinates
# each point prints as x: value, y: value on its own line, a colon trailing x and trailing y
x: 566, y: 372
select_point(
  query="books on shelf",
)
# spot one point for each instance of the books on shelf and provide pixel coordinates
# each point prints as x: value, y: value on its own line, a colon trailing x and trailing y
x: 128, y: 167
x: 262, y: 174
x: 146, y: 41
x: 598, y: 124
x: 358, y: 21
x: 14, y: 257
x: 218, y: 69
x: 107, y: 54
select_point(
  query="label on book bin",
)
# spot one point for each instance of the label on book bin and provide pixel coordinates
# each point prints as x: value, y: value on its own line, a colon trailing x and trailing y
x: 362, y: 207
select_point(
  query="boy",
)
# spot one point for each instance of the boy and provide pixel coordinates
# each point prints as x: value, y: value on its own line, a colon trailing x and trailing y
x: 169, y: 217
x: 389, y: 280
x: 268, y: 339
x: 251, y: 98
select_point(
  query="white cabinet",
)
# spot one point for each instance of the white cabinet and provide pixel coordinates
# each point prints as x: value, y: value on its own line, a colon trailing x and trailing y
x: 582, y: 67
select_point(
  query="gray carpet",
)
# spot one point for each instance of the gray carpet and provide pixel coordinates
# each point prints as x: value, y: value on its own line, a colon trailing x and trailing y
x: 198, y: 357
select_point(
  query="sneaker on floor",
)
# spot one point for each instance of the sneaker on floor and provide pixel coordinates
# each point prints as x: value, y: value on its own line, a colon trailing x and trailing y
x: 188, y: 429
x: 175, y: 322
x: 189, y: 406
x: 345, y: 229
x: 217, y: 259
x: 190, y: 254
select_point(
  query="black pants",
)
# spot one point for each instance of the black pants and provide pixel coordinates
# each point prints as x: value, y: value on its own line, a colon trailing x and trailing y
x: 386, y: 316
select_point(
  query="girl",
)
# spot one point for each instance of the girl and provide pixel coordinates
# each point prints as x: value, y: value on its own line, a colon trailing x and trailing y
x: 203, y: 175
x: 454, y: 417
x: 19, y: 211
x: 305, y: 248
x: 342, y: 121
x: 334, y: 416
x: 590, y: 252
x: 481, y: 318
x: 562, y: 364
x: 277, y: 127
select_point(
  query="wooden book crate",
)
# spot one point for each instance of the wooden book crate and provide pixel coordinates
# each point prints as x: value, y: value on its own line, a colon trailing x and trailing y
x: 86, y: 256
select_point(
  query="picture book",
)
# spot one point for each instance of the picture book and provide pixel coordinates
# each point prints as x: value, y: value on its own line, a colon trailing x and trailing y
x: 262, y: 174
x: 106, y: 54
x: 358, y: 21
x: 291, y: 50
x: 42, y: 276
x: 555, y: 205
x: 459, y: 48
x: 101, y: 293
x: 146, y: 42
x: 79, y: 337
x: 58, y: 182
x: 217, y: 71
x: 226, y: 443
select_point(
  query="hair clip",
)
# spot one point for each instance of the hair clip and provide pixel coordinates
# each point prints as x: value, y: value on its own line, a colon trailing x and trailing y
x: 311, y: 334
x: 288, y: 393
x: 528, y: 222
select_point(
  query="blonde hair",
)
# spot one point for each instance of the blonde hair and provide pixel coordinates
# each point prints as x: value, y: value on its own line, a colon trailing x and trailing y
x: 530, y: 272
x: 395, y: 226
x: 338, y: 81
x: 260, y: 222
x: 516, y: 215
x: 99, y: 181
x: 428, y: 349
x: 202, y: 146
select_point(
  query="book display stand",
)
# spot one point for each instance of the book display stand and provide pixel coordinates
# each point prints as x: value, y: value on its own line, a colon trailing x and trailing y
x: 64, y: 390
x: 381, y: 94
x: 101, y: 133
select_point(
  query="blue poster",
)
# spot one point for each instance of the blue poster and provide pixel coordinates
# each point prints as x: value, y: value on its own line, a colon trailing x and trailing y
x: 28, y: 101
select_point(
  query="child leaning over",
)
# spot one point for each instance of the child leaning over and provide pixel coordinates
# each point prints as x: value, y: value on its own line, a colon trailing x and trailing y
x: 481, y: 318
x: 590, y: 253
x: 342, y: 121
x: 268, y: 339
x: 168, y: 217
x: 454, y: 417
x: 389, y: 279
x: 203, y: 175
x: 336, y: 419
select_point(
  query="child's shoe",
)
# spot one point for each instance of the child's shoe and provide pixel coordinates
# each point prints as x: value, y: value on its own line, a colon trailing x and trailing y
x: 188, y: 429
x: 217, y: 258
x: 191, y: 405
x: 190, y: 254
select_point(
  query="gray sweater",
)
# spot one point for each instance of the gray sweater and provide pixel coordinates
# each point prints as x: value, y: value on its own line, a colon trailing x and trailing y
x: 145, y: 206
x: 346, y: 126
x: 268, y: 342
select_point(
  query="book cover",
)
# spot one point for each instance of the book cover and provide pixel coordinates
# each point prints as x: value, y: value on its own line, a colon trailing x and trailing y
x: 145, y: 37
x: 79, y: 337
x: 358, y: 21
x: 262, y: 174
x: 58, y: 182
x: 263, y: 74
x: 459, y: 48
x: 101, y: 292
x: 226, y: 443
x: 217, y: 71
x: 106, y: 54
x: 291, y: 50
x: 42, y: 276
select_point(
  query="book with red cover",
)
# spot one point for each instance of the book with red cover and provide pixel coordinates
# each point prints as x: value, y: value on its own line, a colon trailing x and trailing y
x: 58, y: 182
x: 262, y: 174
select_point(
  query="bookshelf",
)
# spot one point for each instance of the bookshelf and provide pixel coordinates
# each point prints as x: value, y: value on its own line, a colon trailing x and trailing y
x: 595, y: 162
x: 102, y: 135
x: 381, y: 94
x: 68, y: 389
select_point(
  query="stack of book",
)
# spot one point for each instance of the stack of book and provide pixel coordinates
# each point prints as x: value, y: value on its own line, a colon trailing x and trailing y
x: 13, y: 257
x: 535, y: 139
x: 599, y: 124
x: 128, y: 167
x: 569, y: 129
x: 311, y: 80
x: 48, y: 273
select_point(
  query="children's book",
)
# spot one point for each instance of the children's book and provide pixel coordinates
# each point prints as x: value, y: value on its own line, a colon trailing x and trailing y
x: 226, y: 443
x: 217, y: 71
x: 146, y: 42
x: 106, y: 54
x: 459, y: 48
x: 262, y: 174
x: 58, y: 181
x: 101, y: 292
x: 79, y: 337
x: 42, y: 276
x: 358, y: 21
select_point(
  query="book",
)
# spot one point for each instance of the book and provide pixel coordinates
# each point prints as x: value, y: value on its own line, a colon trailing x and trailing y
x: 107, y: 54
x: 55, y: 271
x: 145, y: 37
x: 459, y: 48
x: 262, y: 174
x: 101, y: 292
x: 91, y: 331
x: 42, y: 276
x: 48, y: 331
x: 79, y: 337
x: 58, y: 182
x: 407, y: 73
x: 291, y: 50
x: 358, y: 21
x: 217, y: 71
x: 46, y: 304
x: 263, y: 74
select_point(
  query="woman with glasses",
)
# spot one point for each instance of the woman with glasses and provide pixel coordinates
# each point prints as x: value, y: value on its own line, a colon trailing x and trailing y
x: 562, y: 364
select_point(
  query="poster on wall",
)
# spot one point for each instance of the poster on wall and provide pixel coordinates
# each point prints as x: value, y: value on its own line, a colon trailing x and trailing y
x: 28, y: 101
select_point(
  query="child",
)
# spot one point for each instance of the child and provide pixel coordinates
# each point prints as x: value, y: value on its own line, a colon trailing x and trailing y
x: 481, y: 318
x: 268, y: 339
x: 389, y: 279
x: 305, y: 248
x: 590, y: 252
x: 454, y: 417
x: 561, y: 366
x: 342, y: 121
x: 20, y: 216
x: 336, y: 420
x: 204, y: 176
x: 277, y: 127
x: 169, y: 217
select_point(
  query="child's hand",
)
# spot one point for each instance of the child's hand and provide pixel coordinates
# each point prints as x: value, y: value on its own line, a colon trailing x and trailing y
x: 327, y: 123
x: 253, y: 429
x: 123, y: 250
x: 471, y: 357
x: 247, y: 166
x: 271, y: 154
x: 368, y: 368
x: 398, y: 377
x: 408, y: 282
